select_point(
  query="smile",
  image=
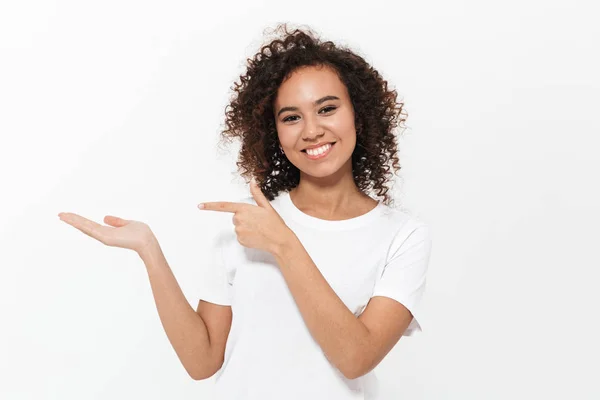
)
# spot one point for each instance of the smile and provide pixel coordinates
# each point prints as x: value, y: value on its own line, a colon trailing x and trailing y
x: 320, y: 152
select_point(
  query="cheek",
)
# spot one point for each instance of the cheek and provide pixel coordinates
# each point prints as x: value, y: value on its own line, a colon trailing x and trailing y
x: 288, y: 136
x: 341, y: 124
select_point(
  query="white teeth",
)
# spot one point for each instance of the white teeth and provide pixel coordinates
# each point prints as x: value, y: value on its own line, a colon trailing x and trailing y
x: 319, y: 150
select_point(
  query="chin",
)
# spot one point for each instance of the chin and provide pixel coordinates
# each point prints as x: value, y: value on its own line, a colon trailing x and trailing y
x: 321, y: 171
x: 319, y: 174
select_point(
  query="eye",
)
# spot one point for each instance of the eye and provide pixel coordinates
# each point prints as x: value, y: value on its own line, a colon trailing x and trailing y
x: 287, y: 119
x: 327, y: 109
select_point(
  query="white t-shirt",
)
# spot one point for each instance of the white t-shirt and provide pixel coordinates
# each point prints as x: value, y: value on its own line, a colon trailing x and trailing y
x: 270, y: 353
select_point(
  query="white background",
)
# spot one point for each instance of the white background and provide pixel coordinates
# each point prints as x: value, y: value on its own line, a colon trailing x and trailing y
x: 114, y: 108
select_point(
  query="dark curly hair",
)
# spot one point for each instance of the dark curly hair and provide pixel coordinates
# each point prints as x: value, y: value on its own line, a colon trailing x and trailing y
x: 250, y: 117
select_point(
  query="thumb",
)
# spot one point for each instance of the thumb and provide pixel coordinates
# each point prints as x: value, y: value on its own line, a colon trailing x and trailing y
x: 258, y: 195
x: 115, y: 221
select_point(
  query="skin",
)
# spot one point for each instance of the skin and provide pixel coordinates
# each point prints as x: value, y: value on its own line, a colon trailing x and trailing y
x: 326, y: 189
x: 355, y: 345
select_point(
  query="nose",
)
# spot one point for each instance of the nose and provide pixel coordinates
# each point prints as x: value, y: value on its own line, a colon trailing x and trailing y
x: 312, y: 129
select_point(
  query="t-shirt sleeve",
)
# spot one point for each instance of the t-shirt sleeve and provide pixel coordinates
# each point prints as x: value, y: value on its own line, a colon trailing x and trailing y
x: 216, y: 279
x: 222, y: 259
x: 404, y: 274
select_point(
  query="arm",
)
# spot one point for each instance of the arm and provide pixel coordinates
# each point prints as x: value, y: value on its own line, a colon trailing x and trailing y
x: 354, y: 345
x: 187, y: 332
x: 198, y: 338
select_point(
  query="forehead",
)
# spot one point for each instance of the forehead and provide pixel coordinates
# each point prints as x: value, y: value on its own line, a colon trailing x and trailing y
x: 307, y: 84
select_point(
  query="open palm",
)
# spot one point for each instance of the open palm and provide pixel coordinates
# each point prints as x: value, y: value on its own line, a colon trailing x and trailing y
x: 127, y: 234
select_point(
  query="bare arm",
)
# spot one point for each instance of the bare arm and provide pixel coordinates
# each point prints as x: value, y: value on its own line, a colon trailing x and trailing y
x: 198, y: 337
x: 189, y: 334
x: 353, y: 345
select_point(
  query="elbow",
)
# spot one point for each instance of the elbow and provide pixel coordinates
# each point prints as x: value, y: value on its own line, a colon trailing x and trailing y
x: 355, y: 368
x: 197, y: 377
x: 352, y: 373
x: 204, y: 369
x: 199, y: 373
x: 349, y: 375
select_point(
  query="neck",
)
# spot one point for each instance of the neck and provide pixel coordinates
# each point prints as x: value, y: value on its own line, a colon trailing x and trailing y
x: 329, y: 195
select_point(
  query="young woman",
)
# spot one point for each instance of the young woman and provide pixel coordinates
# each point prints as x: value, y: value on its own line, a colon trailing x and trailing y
x: 312, y: 280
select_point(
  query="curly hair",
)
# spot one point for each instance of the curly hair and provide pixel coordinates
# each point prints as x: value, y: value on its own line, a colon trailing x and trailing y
x: 250, y: 116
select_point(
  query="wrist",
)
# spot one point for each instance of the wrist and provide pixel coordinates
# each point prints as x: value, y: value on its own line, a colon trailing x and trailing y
x: 286, y: 243
x: 149, y: 249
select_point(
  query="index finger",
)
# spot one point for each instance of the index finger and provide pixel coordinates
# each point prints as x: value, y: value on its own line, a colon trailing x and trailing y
x: 224, y: 206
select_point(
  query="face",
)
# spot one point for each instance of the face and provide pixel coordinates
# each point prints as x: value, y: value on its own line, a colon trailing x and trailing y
x: 313, y: 107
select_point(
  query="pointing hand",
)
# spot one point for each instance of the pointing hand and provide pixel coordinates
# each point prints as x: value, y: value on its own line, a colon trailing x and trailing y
x: 260, y: 226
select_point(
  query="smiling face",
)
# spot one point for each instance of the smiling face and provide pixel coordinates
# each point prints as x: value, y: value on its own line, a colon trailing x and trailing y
x: 313, y: 107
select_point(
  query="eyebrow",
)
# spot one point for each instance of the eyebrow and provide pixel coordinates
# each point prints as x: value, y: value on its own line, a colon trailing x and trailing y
x: 316, y: 103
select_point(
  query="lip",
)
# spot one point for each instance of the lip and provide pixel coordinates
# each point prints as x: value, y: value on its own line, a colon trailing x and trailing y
x: 320, y: 156
x: 315, y: 146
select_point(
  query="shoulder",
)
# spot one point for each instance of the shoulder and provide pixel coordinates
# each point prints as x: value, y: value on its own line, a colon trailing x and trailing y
x: 407, y: 229
x: 403, y: 220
